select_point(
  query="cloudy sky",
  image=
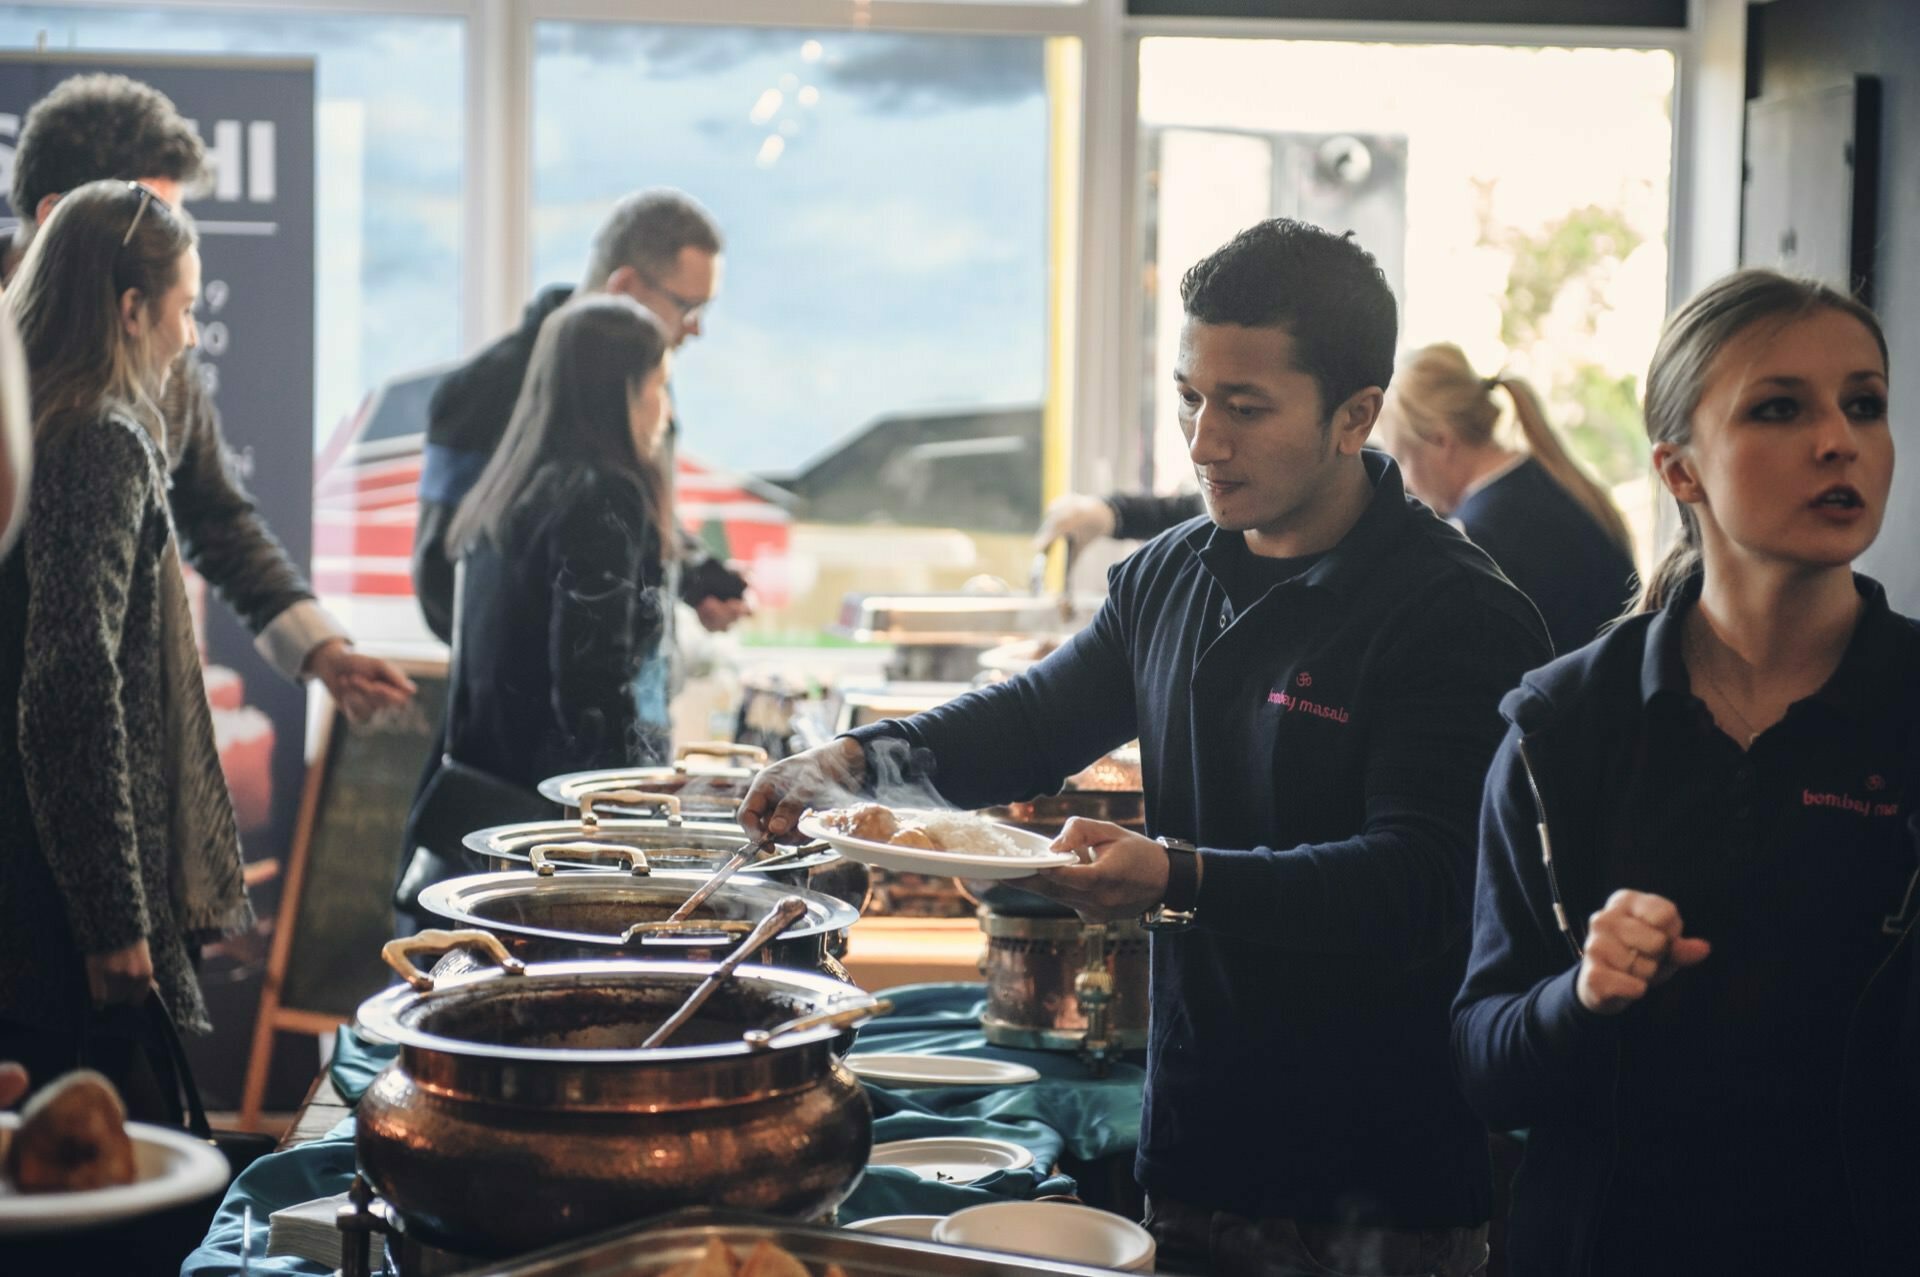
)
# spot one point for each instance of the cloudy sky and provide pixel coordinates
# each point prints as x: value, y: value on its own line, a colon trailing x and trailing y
x: 890, y: 256
x: 883, y: 198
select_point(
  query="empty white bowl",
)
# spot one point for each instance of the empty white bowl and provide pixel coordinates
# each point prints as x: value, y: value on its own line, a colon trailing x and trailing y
x: 918, y: 1227
x: 1052, y: 1230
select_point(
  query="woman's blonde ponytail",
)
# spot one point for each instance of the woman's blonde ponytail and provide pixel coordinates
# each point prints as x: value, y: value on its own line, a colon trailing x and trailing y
x: 1544, y: 443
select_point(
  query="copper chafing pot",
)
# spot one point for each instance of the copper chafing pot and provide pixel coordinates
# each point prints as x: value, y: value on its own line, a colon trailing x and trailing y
x: 521, y: 1110
x: 1060, y: 984
x: 666, y: 841
x: 607, y: 915
x: 704, y: 792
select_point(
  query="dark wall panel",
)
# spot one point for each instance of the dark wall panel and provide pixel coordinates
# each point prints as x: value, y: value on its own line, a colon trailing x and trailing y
x: 1801, y: 46
x: 1560, y: 13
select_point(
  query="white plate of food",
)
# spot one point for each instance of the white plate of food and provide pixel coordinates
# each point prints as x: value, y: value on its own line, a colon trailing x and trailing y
x: 959, y: 1160
x: 170, y: 1168
x: 956, y: 844
x: 895, y: 1069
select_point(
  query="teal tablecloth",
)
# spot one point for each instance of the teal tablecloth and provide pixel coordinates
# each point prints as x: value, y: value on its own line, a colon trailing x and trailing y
x: 1067, y: 1110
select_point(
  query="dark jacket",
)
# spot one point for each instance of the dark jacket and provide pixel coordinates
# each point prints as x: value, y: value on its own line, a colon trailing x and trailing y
x: 466, y: 420
x: 1325, y: 748
x: 1545, y: 541
x: 221, y: 533
x: 559, y: 662
x: 85, y: 850
x: 1529, y: 1053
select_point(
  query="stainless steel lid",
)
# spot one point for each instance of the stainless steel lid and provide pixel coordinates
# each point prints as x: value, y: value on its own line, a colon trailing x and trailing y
x: 590, y: 908
x: 597, y: 1012
x: 701, y: 791
x: 693, y: 785
x: 635, y: 846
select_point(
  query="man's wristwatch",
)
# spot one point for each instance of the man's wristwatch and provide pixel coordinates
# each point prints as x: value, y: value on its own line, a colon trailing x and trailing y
x: 1176, y: 911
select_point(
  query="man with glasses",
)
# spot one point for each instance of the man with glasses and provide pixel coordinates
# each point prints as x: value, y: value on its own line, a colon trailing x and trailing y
x: 108, y: 126
x: 662, y: 249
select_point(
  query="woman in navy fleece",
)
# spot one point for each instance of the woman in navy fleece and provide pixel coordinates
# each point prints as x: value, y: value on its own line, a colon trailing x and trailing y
x: 1692, y: 978
x: 1549, y: 524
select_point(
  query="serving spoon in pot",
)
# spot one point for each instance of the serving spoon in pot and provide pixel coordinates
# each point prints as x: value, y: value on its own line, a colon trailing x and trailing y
x: 727, y: 869
x: 783, y: 915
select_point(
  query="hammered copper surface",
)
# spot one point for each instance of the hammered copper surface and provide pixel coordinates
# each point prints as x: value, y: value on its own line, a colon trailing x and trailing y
x: 518, y: 1115
x: 1031, y: 966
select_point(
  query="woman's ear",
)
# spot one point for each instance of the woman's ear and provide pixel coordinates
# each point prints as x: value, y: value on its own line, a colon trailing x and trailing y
x: 133, y: 313
x: 1675, y: 468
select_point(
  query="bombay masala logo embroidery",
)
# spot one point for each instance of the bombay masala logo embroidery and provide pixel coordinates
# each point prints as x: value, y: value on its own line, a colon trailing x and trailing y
x: 1294, y: 703
x: 1876, y: 783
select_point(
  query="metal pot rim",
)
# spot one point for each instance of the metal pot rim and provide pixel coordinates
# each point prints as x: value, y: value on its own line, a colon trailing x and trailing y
x: 512, y: 842
x: 565, y: 789
x: 384, y: 1015
x: 452, y: 898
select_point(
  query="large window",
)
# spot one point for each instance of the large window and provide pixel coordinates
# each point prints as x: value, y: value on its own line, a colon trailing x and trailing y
x: 875, y: 367
x: 1514, y: 216
x: 389, y: 134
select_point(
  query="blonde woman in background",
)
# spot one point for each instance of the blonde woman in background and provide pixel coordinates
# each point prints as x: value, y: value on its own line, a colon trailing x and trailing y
x: 1549, y: 524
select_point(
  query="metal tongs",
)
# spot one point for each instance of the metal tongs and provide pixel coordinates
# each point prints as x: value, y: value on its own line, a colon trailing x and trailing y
x: 783, y: 915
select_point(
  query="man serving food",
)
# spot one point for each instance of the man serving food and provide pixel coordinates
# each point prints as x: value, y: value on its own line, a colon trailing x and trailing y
x: 1313, y: 673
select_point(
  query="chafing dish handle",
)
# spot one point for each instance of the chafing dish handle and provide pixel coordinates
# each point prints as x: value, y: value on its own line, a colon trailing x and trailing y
x: 590, y: 819
x: 398, y: 954
x: 752, y: 755
x: 539, y: 856
x: 846, y: 1017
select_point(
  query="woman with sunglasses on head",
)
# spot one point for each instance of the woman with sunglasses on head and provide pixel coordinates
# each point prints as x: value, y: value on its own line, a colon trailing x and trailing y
x: 1692, y: 977
x: 565, y: 551
x: 118, y: 855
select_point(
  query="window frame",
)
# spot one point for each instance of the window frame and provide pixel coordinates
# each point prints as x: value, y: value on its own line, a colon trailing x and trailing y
x: 1103, y: 393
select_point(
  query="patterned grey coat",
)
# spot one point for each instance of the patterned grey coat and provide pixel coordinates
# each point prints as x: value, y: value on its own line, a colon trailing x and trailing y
x: 85, y: 862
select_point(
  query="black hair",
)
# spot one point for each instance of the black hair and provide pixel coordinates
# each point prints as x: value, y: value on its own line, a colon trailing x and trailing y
x: 1324, y: 289
x: 590, y: 356
x: 99, y: 126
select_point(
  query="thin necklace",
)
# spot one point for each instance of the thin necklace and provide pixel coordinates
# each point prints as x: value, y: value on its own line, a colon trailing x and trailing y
x: 1706, y: 668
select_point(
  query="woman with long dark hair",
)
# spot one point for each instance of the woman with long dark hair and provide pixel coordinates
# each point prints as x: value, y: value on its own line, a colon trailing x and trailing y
x: 1693, y: 969
x: 118, y: 852
x: 565, y: 547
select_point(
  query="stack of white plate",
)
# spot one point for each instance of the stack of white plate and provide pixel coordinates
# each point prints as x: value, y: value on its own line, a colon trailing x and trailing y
x: 1052, y: 1230
x: 918, y: 1227
x: 956, y: 1160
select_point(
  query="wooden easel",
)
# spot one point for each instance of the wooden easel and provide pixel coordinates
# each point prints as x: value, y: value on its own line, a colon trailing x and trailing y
x: 300, y: 941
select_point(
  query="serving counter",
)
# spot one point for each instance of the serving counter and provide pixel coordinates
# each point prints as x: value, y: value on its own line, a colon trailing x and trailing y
x: 1068, y: 1119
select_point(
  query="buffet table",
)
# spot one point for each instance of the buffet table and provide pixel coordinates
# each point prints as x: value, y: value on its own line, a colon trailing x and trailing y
x: 1068, y: 1115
